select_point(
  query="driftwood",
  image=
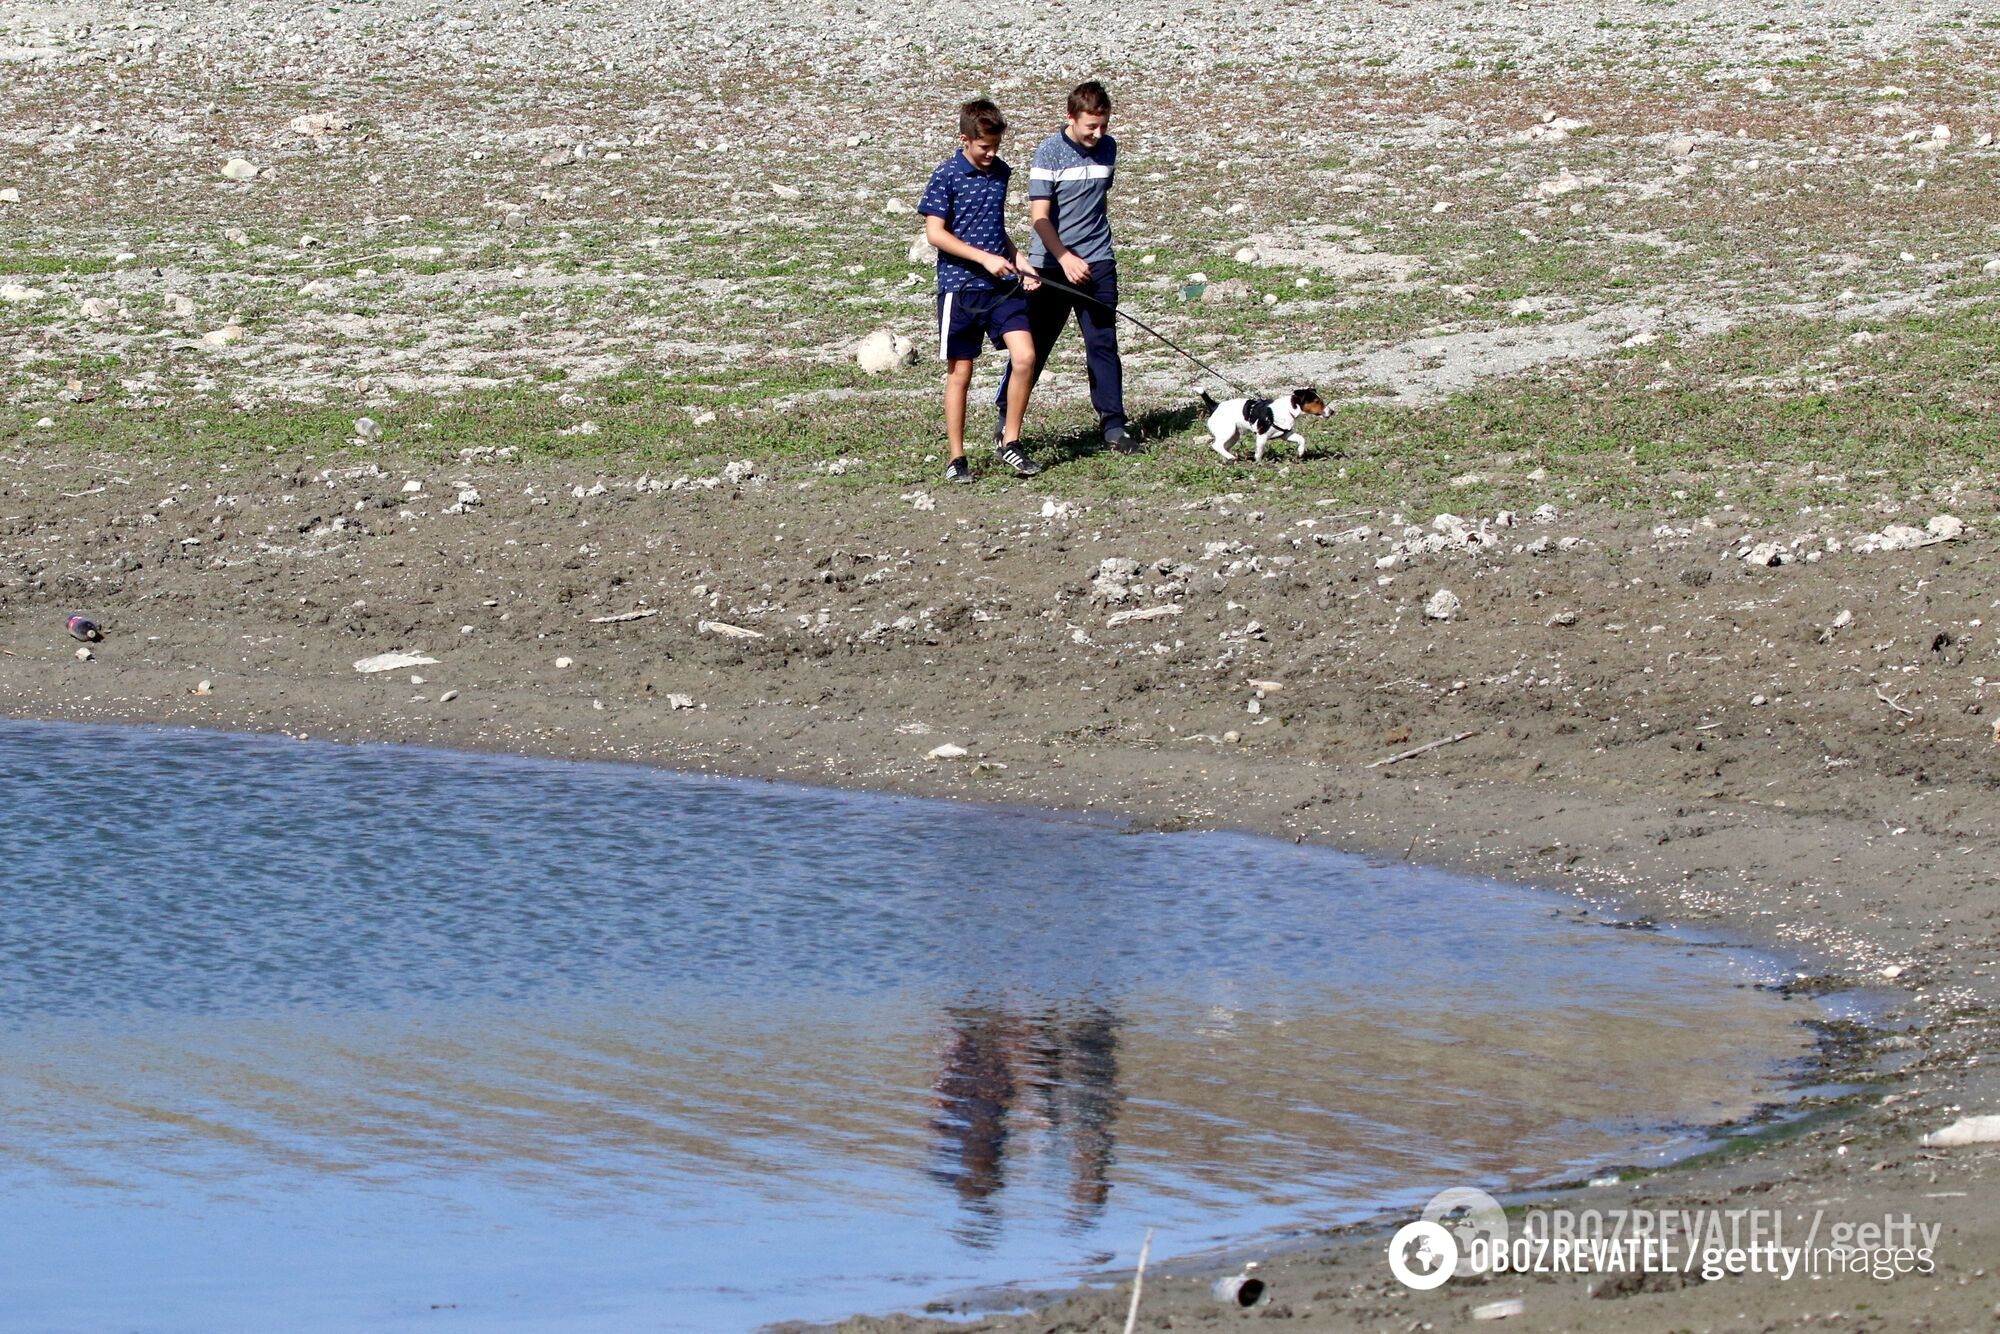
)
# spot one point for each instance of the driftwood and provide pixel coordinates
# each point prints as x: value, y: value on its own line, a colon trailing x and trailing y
x: 1138, y: 1282
x: 1418, y: 750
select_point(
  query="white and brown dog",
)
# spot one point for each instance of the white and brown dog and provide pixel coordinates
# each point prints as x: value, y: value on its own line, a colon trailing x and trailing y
x: 1267, y: 419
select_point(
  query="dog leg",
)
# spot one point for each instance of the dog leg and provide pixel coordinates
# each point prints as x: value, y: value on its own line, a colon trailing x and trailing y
x: 1220, y: 443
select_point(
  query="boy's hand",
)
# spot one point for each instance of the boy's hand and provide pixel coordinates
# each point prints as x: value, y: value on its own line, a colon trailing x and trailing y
x: 1074, y: 269
x: 999, y: 266
x: 1029, y: 282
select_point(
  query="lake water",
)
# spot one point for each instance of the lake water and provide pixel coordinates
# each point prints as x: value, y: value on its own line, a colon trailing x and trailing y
x: 315, y: 1037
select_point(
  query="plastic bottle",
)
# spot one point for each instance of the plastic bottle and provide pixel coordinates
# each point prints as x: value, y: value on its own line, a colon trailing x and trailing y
x: 82, y: 627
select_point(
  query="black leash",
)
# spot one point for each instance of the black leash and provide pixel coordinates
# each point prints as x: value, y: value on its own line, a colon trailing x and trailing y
x: 1122, y: 313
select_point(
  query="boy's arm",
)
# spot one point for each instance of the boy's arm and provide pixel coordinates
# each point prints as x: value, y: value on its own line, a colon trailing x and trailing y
x: 1075, y: 269
x: 939, y: 235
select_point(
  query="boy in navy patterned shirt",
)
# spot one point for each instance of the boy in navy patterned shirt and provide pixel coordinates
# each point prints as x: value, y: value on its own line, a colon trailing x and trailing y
x: 978, y: 296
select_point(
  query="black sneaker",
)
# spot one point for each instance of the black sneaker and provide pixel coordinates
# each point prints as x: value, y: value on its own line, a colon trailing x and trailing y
x: 1120, y: 439
x: 1017, y: 458
x: 958, y: 470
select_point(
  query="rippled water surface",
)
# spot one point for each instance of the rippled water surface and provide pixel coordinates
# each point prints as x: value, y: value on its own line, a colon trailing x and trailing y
x: 314, y: 1037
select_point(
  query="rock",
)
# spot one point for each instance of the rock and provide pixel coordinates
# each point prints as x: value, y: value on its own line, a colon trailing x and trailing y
x: 1767, y: 554
x: 728, y: 631
x: 223, y: 337
x: 236, y: 236
x: 565, y: 662
x: 1227, y: 292
x: 447, y: 697
x: 240, y: 169
x: 97, y: 308
x: 1544, y: 514
x: 1842, y: 621
x: 1500, y: 1310
x: 319, y: 124
x: 10, y: 196
x: 784, y: 191
x: 412, y: 487
x: 883, y: 351
x: 1557, y: 186
x: 896, y: 206
x: 1114, y: 574
x: 179, y: 306
x: 1561, y: 618
x: 1965, y: 1130
x: 922, y: 252
x: 467, y: 498
x: 1991, y: 266
x: 16, y: 294
x: 391, y: 662
x: 1442, y: 605
x: 1903, y: 537
x: 680, y: 701
x: 948, y: 752
x: 1248, y: 255
x: 1681, y: 147
x: 1945, y: 528
x: 367, y: 430
x: 1232, y: 738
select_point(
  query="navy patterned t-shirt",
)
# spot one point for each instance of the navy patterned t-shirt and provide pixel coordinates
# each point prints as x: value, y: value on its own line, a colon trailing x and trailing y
x: 973, y: 204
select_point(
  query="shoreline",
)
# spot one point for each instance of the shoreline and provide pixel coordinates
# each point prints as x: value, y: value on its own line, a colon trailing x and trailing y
x: 1830, y: 885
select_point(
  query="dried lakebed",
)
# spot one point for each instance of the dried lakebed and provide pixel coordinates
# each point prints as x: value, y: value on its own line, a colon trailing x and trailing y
x: 318, y: 1035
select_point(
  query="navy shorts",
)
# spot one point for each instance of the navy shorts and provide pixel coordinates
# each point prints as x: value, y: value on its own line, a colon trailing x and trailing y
x: 968, y: 319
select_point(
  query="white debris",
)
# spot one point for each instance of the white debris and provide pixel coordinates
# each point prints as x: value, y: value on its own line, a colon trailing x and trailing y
x: 680, y: 701
x: 562, y: 663
x: 98, y: 308
x: 1248, y: 255
x: 728, y: 631
x: 639, y: 615
x: 447, y: 697
x: 412, y: 487
x: 319, y: 124
x: 467, y: 498
x: 920, y: 500
x: 10, y: 196
x: 1903, y: 537
x: 367, y: 430
x: 239, y: 169
x: 1443, y: 605
x: 1142, y: 614
x: 1500, y: 1310
x: 1965, y: 1130
x: 223, y: 337
x: 16, y: 294
x: 948, y: 752
x: 392, y: 662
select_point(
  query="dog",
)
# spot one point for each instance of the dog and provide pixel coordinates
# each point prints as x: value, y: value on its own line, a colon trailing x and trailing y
x: 1267, y: 419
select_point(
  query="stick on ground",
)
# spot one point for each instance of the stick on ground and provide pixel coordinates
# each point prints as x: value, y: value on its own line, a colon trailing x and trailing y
x: 1418, y: 750
x: 1138, y: 1282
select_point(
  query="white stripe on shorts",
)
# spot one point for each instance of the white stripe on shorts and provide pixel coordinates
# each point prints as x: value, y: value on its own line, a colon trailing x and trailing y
x: 944, y: 328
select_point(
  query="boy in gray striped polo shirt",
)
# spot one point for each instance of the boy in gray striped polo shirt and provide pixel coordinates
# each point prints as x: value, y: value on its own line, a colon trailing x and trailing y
x: 1067, y: 188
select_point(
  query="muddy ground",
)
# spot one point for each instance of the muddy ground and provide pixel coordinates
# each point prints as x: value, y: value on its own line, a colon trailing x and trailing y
x: 1661, y: 340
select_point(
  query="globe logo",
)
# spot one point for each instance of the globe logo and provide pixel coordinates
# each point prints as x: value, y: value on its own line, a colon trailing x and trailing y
x: 1426, y: 1253
x: 1423, y: 1255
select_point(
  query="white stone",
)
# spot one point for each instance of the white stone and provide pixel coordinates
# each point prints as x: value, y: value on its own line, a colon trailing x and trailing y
x: 1767, y: 554
x: 1991, y: 266
x: 1248, y: 255
x: 784, y: 191
x: 447, y: 697
x: 223, y: 337
x: 320, y: 123
x: 922, y: 252
x: 565, y: 662
x: 239, y: 169
x: 98, y: 308
x: 84, y: 655
x: 727, y: 631
x: 1142, y: 614
x: 1443, y: 605
x: 883, y: 351
x: 680, y: 701
x: 367, y: 430
x: 1502, y: 1309
x: 16, y: 294
x: 10, y: 196
x: 947, y: 752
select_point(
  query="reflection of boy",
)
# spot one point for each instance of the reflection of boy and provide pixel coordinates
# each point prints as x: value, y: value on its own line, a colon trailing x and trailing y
x: 965, y: 208
x: 1068, y: 186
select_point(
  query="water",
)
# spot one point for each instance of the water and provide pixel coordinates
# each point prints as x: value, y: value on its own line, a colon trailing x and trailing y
x: 314, y: 1037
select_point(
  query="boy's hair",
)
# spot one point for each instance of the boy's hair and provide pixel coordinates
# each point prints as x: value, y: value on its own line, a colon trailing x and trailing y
x: 1089, y: 99
x: 980, y: 119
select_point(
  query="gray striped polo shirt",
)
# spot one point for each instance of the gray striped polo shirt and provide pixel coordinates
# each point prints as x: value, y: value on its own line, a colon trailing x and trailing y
x: 1075, y: 182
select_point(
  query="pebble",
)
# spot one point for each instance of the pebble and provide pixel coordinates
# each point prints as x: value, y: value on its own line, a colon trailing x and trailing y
x: 1248, y: 255
x: 565, y: 662
x: 680, y: 701
x: 84, y: 655
x: 447, y: 697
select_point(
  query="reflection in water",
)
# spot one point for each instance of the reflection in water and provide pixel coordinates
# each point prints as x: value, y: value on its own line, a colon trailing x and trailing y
x: 611, y: 1048
x: 1005, y: 1075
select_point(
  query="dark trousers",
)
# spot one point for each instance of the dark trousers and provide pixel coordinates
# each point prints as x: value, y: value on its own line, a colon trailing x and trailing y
x: 1048, y: 314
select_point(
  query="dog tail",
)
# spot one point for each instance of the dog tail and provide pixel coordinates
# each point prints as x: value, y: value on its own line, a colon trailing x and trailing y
x: 1207, y: 404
